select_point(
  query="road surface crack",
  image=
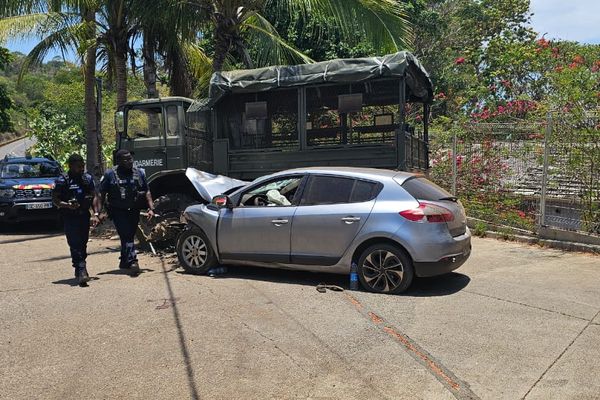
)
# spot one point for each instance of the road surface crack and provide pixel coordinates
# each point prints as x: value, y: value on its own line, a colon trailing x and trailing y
x: 459, y: 389
x: 527, y: 305
x: 560, y: 356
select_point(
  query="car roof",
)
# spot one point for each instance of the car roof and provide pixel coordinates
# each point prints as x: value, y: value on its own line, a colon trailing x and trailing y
x: 366, y: 173
x: 21, y: 160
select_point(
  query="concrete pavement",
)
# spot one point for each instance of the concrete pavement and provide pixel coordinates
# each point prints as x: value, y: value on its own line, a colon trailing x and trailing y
x: 514, y: 322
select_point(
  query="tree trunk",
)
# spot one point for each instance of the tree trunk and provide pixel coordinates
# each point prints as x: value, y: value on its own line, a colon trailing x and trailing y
x: 179, y: 77
x: 120, y: 79
x: 148, y: 52
x: 222, y: 47
x: 91, y: 132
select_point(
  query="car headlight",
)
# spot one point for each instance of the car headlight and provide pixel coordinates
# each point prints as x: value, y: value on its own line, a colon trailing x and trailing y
x: 7, y: 193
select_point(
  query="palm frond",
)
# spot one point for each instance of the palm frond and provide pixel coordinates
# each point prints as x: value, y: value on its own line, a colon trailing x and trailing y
x: 200, y: 65
x: 272, y: 49
x: 383, y: 22
x: 22, y: 26
x: 63, y: 39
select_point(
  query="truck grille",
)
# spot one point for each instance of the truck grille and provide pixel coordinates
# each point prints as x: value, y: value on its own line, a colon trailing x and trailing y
x: 31, y: 193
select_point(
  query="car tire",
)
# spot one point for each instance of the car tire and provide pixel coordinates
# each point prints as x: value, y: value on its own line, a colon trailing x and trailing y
x: 385, y: 268
x: 195, y: 252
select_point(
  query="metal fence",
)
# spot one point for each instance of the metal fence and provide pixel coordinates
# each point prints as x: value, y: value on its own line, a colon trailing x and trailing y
x: 524, y: 174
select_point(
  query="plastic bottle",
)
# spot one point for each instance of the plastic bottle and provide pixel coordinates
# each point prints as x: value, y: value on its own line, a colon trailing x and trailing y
x: 217, y: 271
x: 353, y: 276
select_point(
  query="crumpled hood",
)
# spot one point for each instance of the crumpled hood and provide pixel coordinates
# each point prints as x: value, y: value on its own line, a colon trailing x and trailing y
x: 210, y: 185
x: 27, y: 183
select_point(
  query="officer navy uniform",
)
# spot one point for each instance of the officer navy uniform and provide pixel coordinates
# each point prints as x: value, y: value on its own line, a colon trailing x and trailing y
x: 126, y: 197
x: 77, y: 222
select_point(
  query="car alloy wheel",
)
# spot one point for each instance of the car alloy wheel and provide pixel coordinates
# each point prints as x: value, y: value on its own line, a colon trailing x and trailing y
x: 194, y: 251
x: 385, y: 268
x: 383, y: 271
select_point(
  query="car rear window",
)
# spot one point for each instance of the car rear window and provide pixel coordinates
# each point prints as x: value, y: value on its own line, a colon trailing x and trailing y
x: 335, y: 190
x: 423, y: 189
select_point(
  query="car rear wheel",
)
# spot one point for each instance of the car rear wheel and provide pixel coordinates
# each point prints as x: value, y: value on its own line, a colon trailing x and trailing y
x: 384, y: 268
x: 194, y: 251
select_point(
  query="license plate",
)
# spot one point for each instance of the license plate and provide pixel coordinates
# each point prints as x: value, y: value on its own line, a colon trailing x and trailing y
x: 38, y: 206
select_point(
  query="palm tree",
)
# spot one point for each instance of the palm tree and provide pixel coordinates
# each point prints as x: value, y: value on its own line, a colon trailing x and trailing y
x: 63, y: 25
x: 384, y: 25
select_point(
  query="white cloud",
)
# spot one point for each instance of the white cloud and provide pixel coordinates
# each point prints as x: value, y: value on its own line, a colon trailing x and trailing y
x: 577, y: 20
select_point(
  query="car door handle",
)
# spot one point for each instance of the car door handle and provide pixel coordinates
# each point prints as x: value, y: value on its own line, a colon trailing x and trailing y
x: 350, y: 220
x: 278, y: 222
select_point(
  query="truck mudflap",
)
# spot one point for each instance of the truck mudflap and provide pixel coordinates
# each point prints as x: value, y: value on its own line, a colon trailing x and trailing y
x: 209, y: 185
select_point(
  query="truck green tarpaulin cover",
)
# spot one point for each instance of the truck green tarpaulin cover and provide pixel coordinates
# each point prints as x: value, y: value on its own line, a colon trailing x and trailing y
x: 346, y: 70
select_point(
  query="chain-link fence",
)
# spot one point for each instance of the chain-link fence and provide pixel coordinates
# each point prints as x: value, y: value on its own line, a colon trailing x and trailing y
x: 572, y: 186
x: 524, y: 174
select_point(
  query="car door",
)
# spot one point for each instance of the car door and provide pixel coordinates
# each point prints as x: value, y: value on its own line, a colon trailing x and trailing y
x: 259, y: 227
x: 331, y: 212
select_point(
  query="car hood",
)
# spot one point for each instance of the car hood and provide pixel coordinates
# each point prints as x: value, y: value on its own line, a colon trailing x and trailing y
x: 210, y: 185
x: 28, y: 183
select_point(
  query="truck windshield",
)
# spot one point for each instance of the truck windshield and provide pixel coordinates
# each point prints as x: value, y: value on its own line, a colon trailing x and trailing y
x: 29, y: 170
x: 145, y: 123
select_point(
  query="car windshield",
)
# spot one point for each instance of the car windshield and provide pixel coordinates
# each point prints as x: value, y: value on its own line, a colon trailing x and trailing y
x: 29, y: 170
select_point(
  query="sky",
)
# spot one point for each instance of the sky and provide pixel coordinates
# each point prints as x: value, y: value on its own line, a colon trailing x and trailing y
x: 576, y: 20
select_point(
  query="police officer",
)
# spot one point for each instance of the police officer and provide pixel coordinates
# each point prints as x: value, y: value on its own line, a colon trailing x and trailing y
x: 127, y: 191
x: 74, y: 193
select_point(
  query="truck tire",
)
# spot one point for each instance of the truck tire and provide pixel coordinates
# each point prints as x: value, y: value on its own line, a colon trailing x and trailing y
x: 162, y: 230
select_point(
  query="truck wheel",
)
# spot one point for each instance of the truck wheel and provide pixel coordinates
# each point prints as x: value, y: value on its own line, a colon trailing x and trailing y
x: 195, y: 252
x: 162, y: 229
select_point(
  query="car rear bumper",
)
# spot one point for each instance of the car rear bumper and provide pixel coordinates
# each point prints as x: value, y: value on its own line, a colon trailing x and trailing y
x: 441, y: 254
x: 443, y: 266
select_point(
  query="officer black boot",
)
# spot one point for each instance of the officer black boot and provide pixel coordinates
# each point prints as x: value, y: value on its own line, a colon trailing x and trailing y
x: 135, y: 268
x: 82, y: 276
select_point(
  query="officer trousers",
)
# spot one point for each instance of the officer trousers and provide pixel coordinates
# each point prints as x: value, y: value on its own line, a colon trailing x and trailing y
x: 77, y: 230
x: 126, y: 222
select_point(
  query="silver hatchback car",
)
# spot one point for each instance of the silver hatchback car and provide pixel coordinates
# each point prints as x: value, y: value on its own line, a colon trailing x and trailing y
x: 393, y: 225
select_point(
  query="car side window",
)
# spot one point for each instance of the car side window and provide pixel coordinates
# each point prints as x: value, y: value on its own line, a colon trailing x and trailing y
x: 365, y: 191
x: 322, y: 190
x: 279, y: 192
x: 327, y: 190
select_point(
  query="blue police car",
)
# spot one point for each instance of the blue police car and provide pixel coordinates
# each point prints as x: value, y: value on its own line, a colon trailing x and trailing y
x: 26, y: 185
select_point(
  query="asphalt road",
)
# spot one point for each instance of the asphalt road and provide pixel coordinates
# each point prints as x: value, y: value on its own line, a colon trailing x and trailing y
x: 514, y: 322
x: 17, y: 148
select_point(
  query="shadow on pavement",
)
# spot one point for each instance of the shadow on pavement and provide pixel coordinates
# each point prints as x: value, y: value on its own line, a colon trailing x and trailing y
x: 68, y: 257
x: 189, y: 368
x: 443, y: 285
x: 123, y: 271
x: 72, y: 281
x: 27, y: 231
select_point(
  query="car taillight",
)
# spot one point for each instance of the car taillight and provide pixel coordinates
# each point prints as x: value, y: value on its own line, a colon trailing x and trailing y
x: 427, y: 212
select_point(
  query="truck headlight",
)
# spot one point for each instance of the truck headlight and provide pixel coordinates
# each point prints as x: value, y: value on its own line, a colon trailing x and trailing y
x: 8, y: 193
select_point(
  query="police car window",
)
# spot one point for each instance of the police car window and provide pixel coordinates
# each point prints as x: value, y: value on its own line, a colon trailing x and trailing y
x: 145, y: 123
x: 29, y: 170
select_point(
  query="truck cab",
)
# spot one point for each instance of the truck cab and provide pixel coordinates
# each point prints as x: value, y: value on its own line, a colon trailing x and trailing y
x: 153, y: 129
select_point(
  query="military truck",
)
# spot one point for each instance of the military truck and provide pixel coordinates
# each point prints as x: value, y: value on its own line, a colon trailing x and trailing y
x: 367, y: 112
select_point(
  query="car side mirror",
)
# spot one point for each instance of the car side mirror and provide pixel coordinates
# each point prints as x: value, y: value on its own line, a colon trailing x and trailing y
x: 222, y: 201
x: 120, y: 122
